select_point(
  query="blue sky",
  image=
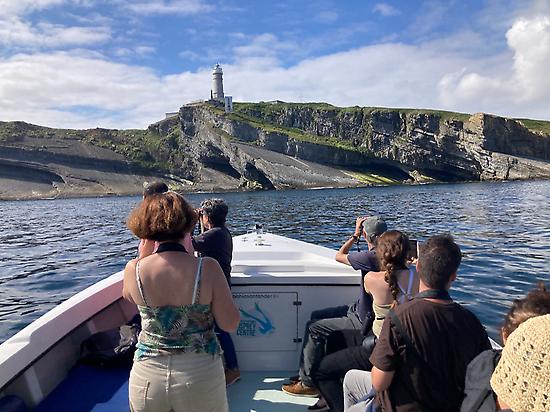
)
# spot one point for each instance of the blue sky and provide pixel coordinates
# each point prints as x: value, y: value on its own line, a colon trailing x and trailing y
x: 115, y: 63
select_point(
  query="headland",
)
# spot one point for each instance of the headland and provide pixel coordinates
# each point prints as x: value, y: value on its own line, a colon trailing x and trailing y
x: 272, y: 145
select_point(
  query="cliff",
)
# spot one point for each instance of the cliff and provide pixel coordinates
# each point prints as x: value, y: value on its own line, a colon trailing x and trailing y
x: 272, y: 146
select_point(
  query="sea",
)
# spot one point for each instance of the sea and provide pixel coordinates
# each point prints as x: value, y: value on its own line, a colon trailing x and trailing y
x: 52, y: 249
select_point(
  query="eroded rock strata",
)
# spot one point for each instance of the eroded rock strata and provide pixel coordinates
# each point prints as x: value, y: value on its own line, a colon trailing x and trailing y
x: 271, y: 146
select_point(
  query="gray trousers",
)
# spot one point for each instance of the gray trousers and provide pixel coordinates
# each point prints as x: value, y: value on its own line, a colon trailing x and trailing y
x: 315, y: 338
x: 357, y: 384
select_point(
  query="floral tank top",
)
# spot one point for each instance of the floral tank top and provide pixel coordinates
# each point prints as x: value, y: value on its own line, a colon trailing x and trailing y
x: 173, y: 329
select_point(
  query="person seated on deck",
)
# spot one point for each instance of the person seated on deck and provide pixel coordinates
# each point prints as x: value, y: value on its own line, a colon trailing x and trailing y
x: 420, y: 359
x: 177, y: 364
x: 325, y: 321
x: 521, y: 379
x: 479, y: 394
x: 216, y: 242
x: 394, y: 284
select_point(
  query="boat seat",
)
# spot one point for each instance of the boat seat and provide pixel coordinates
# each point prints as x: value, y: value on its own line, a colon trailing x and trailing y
x: 90, y: 388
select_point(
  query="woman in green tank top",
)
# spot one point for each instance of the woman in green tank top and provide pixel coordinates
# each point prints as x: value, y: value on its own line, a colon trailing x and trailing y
x: 177, y: 364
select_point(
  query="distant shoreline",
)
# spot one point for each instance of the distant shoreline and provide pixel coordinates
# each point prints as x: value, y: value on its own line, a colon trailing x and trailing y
x: 222, y: 191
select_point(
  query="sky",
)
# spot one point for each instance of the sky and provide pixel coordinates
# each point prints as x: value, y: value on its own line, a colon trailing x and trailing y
x: 123, y: 64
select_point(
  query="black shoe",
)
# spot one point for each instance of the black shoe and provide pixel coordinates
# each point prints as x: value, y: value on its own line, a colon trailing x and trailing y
x: 294, y: 379
x: 320, y: 406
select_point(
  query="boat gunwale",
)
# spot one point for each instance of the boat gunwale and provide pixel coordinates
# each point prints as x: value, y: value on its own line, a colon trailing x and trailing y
x: 25, y: 347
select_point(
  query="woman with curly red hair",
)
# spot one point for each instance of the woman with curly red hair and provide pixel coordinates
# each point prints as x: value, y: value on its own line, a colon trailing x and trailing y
x: 177, y: 364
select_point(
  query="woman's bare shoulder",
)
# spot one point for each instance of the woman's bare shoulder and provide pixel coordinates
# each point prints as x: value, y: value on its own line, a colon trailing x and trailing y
x: 210, y: 264
x: 375, y: 275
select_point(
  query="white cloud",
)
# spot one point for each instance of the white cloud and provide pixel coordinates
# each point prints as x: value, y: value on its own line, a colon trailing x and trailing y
x: 144, y: 50
x: 16, y: 32
x: 385, y: 9
x: 515, y: 84
x: 327, y: 16
x: 530, y: 40
x: 432, y: 14
x: 51, y: 89
x: 16, y: 7
x: 77, y: 89
x: 265, y: 50
x: 189, y: 55
x: 168, y: 7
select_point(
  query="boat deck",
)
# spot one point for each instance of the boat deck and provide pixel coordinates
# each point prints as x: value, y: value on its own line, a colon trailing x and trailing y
x: 261, y: 392
x: 106, y: 390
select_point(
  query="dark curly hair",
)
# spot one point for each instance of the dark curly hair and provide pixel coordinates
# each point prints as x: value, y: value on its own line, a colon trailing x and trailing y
x: 161, y: 217
x: 155, y: 188
x: 392, y: 251
x: 536, y: 303
x: 216, y: 211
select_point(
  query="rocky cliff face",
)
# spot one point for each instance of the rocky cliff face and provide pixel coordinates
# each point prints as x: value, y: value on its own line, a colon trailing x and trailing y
x: 271, y: 146
x: 403, y: 145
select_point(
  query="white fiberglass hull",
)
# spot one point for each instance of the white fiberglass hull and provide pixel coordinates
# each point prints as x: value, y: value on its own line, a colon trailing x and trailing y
x: 277, y: 283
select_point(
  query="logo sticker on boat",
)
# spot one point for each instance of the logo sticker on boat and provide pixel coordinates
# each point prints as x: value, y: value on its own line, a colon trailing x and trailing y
x: 254, y: 322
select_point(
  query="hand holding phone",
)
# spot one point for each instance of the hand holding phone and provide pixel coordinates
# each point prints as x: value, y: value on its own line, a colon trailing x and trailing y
x: 413, y: 249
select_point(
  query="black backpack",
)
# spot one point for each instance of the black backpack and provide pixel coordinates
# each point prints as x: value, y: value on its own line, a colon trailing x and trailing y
x: 479, y: 396
x: 113, y: 347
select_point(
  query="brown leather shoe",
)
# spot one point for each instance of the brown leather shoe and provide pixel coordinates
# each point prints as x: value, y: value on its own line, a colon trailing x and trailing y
x: 232, y: 376
x: 299, y: 389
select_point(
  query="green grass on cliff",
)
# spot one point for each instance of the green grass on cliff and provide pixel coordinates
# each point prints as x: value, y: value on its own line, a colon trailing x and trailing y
x: 372, y: 178
x: 537, y: 126
x: 266, y: 109
x: 138, y: 146
x: 263, y: 115
x: 442, y: 114
x: 143, y: 148
x: 291, y: 132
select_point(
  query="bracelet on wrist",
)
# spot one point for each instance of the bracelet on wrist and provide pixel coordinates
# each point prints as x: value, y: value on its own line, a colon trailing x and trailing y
x: 355, y: 237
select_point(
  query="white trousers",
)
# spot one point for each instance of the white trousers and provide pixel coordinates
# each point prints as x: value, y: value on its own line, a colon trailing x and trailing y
x: 183, y: 382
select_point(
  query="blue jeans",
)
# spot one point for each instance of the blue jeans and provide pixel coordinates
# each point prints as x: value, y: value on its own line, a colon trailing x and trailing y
x: 229, y: 355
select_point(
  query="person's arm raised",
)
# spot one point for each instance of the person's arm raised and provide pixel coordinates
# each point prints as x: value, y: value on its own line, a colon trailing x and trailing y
x: 129, y: 280
x: 342, y: 254
x: 224, y: 309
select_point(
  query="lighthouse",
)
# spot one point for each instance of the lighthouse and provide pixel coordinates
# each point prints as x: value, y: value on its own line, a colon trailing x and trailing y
x: 217, y: 83
x: 216, y: 93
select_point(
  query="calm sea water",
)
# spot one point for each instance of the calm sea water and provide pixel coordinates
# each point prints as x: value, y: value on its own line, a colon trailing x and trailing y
x: 51, y: 249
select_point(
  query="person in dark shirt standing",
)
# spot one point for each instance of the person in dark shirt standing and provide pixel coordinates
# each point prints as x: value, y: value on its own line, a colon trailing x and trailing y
x: 425, y: 346
x: 215, y: 241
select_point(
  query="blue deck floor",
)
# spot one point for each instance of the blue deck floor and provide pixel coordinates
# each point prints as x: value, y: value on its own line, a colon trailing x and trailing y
x: 88, y: 388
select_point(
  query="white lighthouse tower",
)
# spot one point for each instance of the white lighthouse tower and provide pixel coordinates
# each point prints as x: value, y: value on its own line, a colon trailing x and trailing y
x: 216, y: 93
x: 217, y: 83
